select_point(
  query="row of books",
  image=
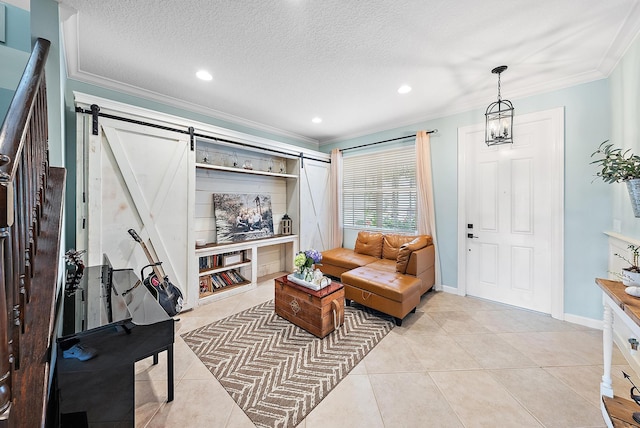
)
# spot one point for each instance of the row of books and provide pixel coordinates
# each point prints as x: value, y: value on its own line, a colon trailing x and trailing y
x: 220, y: 260
x: 216, y: 281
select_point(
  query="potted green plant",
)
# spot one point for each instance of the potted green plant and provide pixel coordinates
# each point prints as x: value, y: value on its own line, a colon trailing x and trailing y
x: 631, y: 274
x: 618, y: 165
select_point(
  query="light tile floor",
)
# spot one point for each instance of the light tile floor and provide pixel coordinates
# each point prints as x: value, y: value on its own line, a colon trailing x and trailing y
x: 456, y: 362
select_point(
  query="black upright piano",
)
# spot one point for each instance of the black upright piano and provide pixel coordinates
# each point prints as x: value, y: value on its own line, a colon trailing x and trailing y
x: 114, y: 314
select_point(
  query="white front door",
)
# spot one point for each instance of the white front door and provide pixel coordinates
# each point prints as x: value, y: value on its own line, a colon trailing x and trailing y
x: 511, y: 227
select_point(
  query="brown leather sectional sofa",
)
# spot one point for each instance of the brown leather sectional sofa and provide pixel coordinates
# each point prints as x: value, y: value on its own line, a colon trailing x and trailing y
x: 386, y: 272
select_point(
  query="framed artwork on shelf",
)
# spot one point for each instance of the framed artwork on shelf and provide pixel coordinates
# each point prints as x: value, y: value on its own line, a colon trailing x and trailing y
x: 205, y: 284
x: 242, y: 217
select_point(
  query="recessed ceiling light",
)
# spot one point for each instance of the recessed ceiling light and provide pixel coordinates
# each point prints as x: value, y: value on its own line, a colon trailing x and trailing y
x: 204, y: 75
x: 316, y: 120
x: 404, y: 89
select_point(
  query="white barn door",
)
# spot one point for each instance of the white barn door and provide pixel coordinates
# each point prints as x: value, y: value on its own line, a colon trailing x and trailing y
x: 139, y: 177
x: 315, y: 206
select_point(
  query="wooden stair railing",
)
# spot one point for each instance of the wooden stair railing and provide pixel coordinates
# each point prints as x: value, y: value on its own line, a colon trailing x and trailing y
x: 31, y: 198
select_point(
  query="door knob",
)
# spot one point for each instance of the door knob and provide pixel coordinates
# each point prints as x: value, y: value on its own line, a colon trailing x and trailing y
x: 471, y: 235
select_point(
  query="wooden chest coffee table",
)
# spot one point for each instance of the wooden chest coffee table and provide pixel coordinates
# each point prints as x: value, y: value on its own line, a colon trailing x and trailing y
x: 319, y: 312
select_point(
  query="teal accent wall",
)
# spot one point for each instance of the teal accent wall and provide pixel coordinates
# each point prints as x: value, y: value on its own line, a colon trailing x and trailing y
x: 44, y: 22
x: 14, y: 54
x: 5, y: 100
x: 13, y: 62
x: 587, y: 204
x: 18, y: 28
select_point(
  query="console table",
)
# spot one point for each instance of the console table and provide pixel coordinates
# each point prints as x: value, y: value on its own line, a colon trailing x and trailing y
x: 616, y: 411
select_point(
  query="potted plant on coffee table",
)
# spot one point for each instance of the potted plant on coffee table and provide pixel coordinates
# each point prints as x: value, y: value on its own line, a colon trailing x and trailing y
x: 618, y: 165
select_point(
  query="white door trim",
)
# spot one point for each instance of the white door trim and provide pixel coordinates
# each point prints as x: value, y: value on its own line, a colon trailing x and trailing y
x: 556, y: 270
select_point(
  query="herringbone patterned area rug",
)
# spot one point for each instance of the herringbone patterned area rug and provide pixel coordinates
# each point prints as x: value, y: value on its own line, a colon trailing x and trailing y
x: 277, y: 372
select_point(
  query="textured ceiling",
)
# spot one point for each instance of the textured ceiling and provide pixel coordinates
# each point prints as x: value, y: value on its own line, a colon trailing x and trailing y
x: 276, y: 64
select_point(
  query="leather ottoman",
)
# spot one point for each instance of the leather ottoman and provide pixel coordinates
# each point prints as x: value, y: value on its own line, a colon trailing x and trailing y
x: 391, y: 293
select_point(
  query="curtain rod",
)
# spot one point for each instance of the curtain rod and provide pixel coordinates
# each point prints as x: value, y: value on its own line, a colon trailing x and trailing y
x: 95, y: 112
x: 386, y: 141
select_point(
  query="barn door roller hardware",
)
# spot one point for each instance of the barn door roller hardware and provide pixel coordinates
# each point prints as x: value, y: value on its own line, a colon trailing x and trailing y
x: 95, y: 109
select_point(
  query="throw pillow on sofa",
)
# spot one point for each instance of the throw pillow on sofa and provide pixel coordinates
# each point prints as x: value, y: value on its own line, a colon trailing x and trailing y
x: 369, y: 243
x: 406, y: 249
x: 391, y: 245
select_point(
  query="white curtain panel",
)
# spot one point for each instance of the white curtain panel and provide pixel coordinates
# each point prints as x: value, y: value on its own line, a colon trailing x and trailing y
x: 336, y: 196
x: 426, y: 220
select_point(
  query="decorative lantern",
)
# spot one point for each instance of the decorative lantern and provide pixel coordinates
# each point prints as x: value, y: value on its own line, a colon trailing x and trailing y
x: 285, y: 225
x: 499, y: 117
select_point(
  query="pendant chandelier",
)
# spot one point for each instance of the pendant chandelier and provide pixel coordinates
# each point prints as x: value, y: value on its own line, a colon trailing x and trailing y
x: 499, y: 117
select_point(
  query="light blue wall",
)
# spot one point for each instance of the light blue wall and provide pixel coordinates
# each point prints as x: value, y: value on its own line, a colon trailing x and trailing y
x: 18, y: 29
x: 44, y: 24
x: 5, y: 100
x: 13, y: 62
x: 23, y: 27
x: 625, y: 132
x: 14, y: 54
x: 587, y: 212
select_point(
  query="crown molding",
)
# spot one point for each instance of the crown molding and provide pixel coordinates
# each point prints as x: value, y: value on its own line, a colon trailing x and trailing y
x: 627, y: 33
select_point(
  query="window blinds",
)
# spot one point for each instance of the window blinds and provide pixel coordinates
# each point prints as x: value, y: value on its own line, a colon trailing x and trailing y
x: 379, y: 190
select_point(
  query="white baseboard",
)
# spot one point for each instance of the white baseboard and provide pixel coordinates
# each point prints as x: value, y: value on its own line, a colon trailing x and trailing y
x: 587, y: 322
x: 449, y: 289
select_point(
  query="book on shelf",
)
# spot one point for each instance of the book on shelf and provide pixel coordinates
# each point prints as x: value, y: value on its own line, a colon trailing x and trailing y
x: 226, y: 278
x: 220, y: 260
x: 236, y: 276
x: 203, y: 263
x: 217, y: 282
x: 209, y: 262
